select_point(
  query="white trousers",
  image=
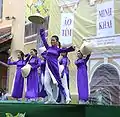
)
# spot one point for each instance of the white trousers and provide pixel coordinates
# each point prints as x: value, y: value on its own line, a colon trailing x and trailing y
x: 65, y: 85
x: 50, y: 87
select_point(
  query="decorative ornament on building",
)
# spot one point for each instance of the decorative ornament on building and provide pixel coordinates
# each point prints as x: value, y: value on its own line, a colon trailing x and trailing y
x: 71, y: 4
x: 93, y: 2
x: 10, y: 18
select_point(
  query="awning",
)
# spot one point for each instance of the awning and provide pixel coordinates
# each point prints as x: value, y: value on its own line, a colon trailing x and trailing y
x: 5, y: 38
x: 3, y: 41
x: 4, y: 30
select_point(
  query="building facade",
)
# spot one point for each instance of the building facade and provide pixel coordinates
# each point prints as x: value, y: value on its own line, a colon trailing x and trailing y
x: 13, y: 16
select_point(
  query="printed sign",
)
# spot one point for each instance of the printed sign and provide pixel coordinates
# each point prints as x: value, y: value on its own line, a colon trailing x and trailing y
x: 66, y: 31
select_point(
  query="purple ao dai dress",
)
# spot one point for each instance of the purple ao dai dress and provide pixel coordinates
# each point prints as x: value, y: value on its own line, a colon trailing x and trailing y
x: 53, y: 52
x: 33, y: 78
x: 19, y: 80
x: 82, y: 78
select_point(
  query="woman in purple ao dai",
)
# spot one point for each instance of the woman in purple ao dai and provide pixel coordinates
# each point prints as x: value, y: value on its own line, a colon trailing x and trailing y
x: 17, y: 90
x: 32, y: 91
x: 65, y: 76
x: 82, y: 77
x: 52, y: 68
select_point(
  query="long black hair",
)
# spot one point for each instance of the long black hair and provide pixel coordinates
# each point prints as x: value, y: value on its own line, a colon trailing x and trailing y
x: 36, y: 60
x: 35, y: 51
x: 22, y: 54
x: 80, y: 52
x: 57, y: 39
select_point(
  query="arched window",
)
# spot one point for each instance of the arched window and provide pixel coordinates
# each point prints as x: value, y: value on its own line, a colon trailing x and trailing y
x: 105, y: 83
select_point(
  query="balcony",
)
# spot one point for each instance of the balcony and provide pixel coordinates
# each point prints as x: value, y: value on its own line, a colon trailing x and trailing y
x: 108, y: 44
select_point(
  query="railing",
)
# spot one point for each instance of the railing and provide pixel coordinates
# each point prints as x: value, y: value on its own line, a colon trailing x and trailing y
x: 30, y: 29
x: 105, y: 41
x: 107, y: 44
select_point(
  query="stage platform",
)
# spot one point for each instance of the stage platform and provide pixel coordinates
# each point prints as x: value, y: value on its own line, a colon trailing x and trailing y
x: 71, y: 110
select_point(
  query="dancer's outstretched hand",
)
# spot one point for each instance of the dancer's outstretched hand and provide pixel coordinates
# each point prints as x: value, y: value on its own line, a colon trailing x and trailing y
x: 42, y: 32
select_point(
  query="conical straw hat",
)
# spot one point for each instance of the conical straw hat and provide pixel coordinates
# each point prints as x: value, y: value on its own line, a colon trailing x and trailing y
x: 36, y: 18
x: 26, y: 70
x: 86, y: 48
